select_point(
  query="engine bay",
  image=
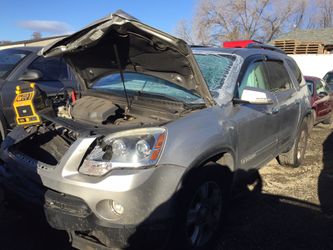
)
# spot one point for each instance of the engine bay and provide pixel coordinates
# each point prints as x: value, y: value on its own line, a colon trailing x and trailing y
x: 67, y: 116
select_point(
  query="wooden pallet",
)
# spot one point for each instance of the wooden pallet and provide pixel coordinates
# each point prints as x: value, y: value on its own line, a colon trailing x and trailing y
x: 298, y: 47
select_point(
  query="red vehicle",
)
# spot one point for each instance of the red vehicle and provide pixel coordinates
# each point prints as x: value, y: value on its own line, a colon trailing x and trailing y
x: 239, y: 43
x: 321, y: 100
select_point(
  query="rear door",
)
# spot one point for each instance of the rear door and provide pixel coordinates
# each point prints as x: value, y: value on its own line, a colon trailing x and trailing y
x: 257, y: 126
x: 322, y: 100
x: 288, y: 108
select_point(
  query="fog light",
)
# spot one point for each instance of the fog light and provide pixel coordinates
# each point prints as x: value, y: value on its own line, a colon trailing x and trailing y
x: 117, y: 208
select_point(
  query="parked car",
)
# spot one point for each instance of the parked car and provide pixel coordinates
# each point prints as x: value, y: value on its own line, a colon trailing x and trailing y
x: 149, y: 149
x: 23, y: 63
x: 328, y: 78
x: 321, y: 100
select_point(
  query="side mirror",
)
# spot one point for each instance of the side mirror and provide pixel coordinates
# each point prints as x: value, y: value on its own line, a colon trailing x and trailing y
x: 256, y: 96
x: 31, y: 75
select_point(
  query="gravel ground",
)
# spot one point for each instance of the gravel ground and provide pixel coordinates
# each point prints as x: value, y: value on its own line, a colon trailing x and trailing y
x: 285, y: 208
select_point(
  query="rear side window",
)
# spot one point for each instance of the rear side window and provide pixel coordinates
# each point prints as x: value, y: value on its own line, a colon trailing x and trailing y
x: 295, y: 69
x: 278, y: 77
x: 53, y: 69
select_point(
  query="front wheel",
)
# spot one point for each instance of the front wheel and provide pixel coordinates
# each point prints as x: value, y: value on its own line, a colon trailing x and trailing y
x: 201, y: 206
x: 295, y: 156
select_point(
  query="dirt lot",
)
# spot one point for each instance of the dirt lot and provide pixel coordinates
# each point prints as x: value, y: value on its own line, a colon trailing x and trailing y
x: 292, y: 209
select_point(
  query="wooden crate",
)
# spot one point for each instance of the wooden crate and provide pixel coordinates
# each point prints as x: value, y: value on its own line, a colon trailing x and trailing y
x: 298, y: 47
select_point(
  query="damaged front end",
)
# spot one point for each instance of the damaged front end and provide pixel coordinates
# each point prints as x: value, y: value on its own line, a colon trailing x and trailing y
x: 131, y: 139
x: 98, y: 150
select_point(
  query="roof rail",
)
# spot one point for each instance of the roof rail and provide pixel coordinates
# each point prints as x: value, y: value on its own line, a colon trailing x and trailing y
x: 264, y: 46
x: 199, y: 46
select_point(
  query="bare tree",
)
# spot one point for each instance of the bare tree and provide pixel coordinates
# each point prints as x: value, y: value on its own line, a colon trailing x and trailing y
x: 183, y: 31
x: 36, y: 35
x: 325, y: 13
x: 218, y: 20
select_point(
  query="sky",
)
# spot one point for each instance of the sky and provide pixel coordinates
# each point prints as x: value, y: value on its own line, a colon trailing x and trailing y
x: 20, y: 18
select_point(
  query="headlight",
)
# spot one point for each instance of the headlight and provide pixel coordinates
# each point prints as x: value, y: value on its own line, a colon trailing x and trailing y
x: 128, y: 149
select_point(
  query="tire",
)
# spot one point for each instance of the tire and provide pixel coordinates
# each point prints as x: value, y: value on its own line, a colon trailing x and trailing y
x: 312, y: 120
x: 201, y: 206
x: 295, y: 156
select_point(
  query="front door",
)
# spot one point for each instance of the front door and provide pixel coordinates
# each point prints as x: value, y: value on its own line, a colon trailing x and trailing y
x: 257, y: 125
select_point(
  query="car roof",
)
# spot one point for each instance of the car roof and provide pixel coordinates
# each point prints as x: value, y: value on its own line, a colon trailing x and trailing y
x: 312, y: 78
x: 243, y: 52
x: 34, y: 49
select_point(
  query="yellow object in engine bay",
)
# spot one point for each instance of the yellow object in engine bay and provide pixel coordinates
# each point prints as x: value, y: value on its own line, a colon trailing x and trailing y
x: 25, y: 103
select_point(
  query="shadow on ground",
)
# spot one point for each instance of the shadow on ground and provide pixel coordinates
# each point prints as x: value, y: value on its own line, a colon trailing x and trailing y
x: 256, y: 221
x: 22, y: 228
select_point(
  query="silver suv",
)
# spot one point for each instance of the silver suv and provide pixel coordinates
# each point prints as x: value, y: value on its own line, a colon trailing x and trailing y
x: 146, y: 155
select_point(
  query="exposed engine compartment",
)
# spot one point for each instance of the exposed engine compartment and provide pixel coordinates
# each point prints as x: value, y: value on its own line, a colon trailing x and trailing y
x: 67, y: 118
x: 102, y: 109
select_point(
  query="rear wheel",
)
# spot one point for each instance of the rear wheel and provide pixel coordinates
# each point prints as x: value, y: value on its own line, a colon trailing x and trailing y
x: 201, y: 206
x: 295, y: 156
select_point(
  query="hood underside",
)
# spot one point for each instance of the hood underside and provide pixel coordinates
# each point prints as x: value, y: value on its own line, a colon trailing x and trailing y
x: 93, y: 51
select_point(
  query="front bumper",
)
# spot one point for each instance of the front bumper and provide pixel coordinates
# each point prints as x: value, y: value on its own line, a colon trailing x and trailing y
x: 66, y: 212
x: 140, y: 192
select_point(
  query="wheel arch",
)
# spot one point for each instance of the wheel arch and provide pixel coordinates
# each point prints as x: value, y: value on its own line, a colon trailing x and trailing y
x: 225, y: 157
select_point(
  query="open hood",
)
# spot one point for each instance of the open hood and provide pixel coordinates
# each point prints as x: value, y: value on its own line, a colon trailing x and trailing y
x: 141, y: 48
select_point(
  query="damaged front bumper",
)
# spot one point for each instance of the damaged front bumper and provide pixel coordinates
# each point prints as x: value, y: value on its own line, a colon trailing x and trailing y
x: 87, y: 231
x: 18, y: 172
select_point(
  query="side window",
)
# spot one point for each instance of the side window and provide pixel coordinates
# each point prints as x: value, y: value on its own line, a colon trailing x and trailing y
x: 255, y: 76
x: 295, y: 69
x: 278, y: 77
x: 327, y: 89
x: 310, y: 86
x: 329, y: 78
x: 320, y: 87
x: 53, y: 69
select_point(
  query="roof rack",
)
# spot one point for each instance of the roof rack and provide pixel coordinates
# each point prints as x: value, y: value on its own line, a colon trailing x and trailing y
x: 264, y: 46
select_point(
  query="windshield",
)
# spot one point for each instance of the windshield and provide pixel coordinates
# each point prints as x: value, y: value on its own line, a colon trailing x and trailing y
x: 9, y: 59
x: 214, y: 69
x: 141, y: 84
